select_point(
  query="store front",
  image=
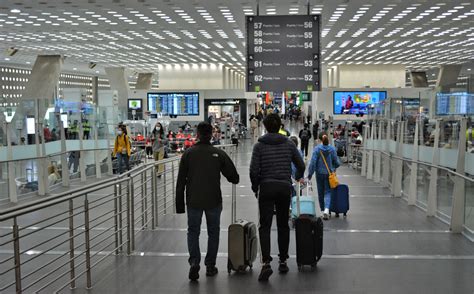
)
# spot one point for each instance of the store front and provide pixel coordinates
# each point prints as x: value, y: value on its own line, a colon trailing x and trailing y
x: 224, y: 109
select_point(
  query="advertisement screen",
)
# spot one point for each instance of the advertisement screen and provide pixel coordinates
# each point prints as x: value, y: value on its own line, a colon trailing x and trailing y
x: 174, y: 103
x: 454, y: 104
x: 135, y: 104
x: 356, y: 102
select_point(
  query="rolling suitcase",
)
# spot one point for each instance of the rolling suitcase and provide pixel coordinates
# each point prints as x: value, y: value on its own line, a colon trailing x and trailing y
x: 242, y: 241
x: 340, y: 199
x: 309, y: 238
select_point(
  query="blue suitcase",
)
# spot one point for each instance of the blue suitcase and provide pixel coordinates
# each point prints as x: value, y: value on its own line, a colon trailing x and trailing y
x: 340, y: 199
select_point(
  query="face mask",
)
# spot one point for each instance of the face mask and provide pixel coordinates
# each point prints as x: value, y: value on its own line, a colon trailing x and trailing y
x: 157, y: 128
x: 119, y: 132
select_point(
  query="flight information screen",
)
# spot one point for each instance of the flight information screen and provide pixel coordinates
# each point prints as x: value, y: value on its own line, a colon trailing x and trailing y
x: 174, y: 103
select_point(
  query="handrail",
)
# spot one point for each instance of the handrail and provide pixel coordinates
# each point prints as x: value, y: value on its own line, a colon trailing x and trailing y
x: 74, y: 193
x: 54, y: 154
x: 423, y: 163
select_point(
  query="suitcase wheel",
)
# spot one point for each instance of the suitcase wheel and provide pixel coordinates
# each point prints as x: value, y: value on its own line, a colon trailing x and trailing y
x: 300, y: 267
x: 345, y: 214
x: 313, y: 267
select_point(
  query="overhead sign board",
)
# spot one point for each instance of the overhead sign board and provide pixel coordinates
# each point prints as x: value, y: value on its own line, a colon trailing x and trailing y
x: 283, y: 53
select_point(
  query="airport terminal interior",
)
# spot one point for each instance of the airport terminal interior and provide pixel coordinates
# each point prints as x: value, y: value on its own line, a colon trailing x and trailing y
x: 100, y: 99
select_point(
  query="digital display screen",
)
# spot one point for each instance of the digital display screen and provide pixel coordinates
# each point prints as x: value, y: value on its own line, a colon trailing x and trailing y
x: 454, y: 104
x: 30, y: 125
x: 135, y: 104
x: 174, y: 103
x: 356, y: 102
x: 64, y: 120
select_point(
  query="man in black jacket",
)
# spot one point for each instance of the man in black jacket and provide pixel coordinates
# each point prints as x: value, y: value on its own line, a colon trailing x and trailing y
x: 199, y: 174
x: 305, y: 135
x: 270, y: 174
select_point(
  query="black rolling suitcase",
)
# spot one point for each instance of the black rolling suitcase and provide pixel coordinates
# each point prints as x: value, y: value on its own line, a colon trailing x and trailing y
x: 309, y: 239
x: 243, y: 242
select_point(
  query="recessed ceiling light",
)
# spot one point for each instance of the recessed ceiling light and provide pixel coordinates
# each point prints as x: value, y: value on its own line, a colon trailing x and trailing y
x: 15, y: 11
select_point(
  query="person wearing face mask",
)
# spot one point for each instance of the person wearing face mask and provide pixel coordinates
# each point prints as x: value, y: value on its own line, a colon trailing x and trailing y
x: 122, y: 148
x: 158, y: 139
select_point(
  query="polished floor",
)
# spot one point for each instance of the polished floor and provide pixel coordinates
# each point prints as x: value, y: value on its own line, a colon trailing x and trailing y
x: 383, y: 246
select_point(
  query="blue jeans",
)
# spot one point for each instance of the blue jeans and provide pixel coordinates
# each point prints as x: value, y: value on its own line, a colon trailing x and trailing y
x: 324, y: 192
x: 121, y: 160
x: 213, y: 218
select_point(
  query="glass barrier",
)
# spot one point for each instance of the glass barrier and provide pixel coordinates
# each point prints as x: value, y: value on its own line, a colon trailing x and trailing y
x: 423, y: 184
x: 3, y: 181
x: 469, y: 206
x: 449, y: 134
x: 445, y: 187
x: 406, y: 179
x: 470, y: 135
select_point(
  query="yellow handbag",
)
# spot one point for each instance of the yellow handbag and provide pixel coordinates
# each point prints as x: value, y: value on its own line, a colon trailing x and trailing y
x: 333, y: 181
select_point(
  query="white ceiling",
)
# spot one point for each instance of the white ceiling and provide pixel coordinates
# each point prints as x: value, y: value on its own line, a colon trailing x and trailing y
x: 143, y: 35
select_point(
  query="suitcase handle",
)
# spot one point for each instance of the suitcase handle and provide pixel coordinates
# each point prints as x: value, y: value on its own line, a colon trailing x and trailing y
x: 234, y: 204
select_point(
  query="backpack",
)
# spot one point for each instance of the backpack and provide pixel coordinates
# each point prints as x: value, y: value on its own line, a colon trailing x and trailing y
x: 305, y: 135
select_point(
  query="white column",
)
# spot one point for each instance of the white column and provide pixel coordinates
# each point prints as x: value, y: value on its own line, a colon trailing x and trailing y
x: 397, y: 184
x: 432, y: 191
x: 11, y: 167
x: 414, y: 167
x: 370, y: 165
x: 364, y: 151
x: 82, y: 165
x: 378, y: 155
x: 64, y: 165
x: 459, y: 193
x: 387, y: 162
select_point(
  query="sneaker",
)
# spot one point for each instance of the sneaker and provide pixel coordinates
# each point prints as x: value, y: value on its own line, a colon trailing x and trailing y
x: 194, y: 272
x: 265, y: 273
x: 211, y: 271
x: 283, y: 267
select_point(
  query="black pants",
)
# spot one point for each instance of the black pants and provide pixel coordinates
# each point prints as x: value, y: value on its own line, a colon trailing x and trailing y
x: 271, y: 196
x: 304, y: 147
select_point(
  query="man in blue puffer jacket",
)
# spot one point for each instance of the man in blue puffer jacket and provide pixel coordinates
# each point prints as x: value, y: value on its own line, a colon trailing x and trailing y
x: 322, y: 174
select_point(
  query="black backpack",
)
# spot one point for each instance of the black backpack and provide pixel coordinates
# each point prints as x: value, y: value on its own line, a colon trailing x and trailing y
x: 305, y: 135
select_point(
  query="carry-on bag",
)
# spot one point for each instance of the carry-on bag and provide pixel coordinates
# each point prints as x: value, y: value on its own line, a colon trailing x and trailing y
x: 340, y: 199
x: 243, y: 241
x: 307, y: 204
x: 309, y: 238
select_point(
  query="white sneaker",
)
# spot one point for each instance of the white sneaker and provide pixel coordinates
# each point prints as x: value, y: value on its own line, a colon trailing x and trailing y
x: 326, y: 214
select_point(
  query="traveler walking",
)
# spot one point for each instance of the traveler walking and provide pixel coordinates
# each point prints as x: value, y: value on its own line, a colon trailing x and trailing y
x: 305, y: 135
x: 254, y: 128
x: 199, y: 175
x: 323, y: 154
x: 122, y: 148
x: 270, y: 174
x: 158, y: 145
x: 315, y: 130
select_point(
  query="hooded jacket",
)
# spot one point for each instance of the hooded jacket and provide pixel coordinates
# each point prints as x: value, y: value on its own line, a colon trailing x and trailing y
x: 317, y: 164
x: 271, y: 161
x: 199, y: 176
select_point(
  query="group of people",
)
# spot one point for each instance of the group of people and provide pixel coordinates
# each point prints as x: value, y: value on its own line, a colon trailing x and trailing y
x: 271, y: 179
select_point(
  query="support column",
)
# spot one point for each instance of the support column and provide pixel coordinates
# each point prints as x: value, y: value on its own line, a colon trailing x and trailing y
x: 144, y: 81
x: 370, y: 165
x: 459, y: 193
x: 11, y: 167
x: 448, y: 76
x: 398, y: 177
x: 414, y: 167
x: 65, y: 173
x: 387, y: 163
x: 378, y: 155
x: 119, y: 82
x: 364, y: 151
x: 95, y: 90
x: 432, y: 191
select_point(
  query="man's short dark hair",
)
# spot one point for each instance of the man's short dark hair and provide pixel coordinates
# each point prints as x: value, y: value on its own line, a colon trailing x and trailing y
x: 272, y: 123
x: 204, y: 131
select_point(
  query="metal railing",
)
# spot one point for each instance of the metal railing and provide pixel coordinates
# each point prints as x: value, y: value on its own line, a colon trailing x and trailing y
x: 56, y: 242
